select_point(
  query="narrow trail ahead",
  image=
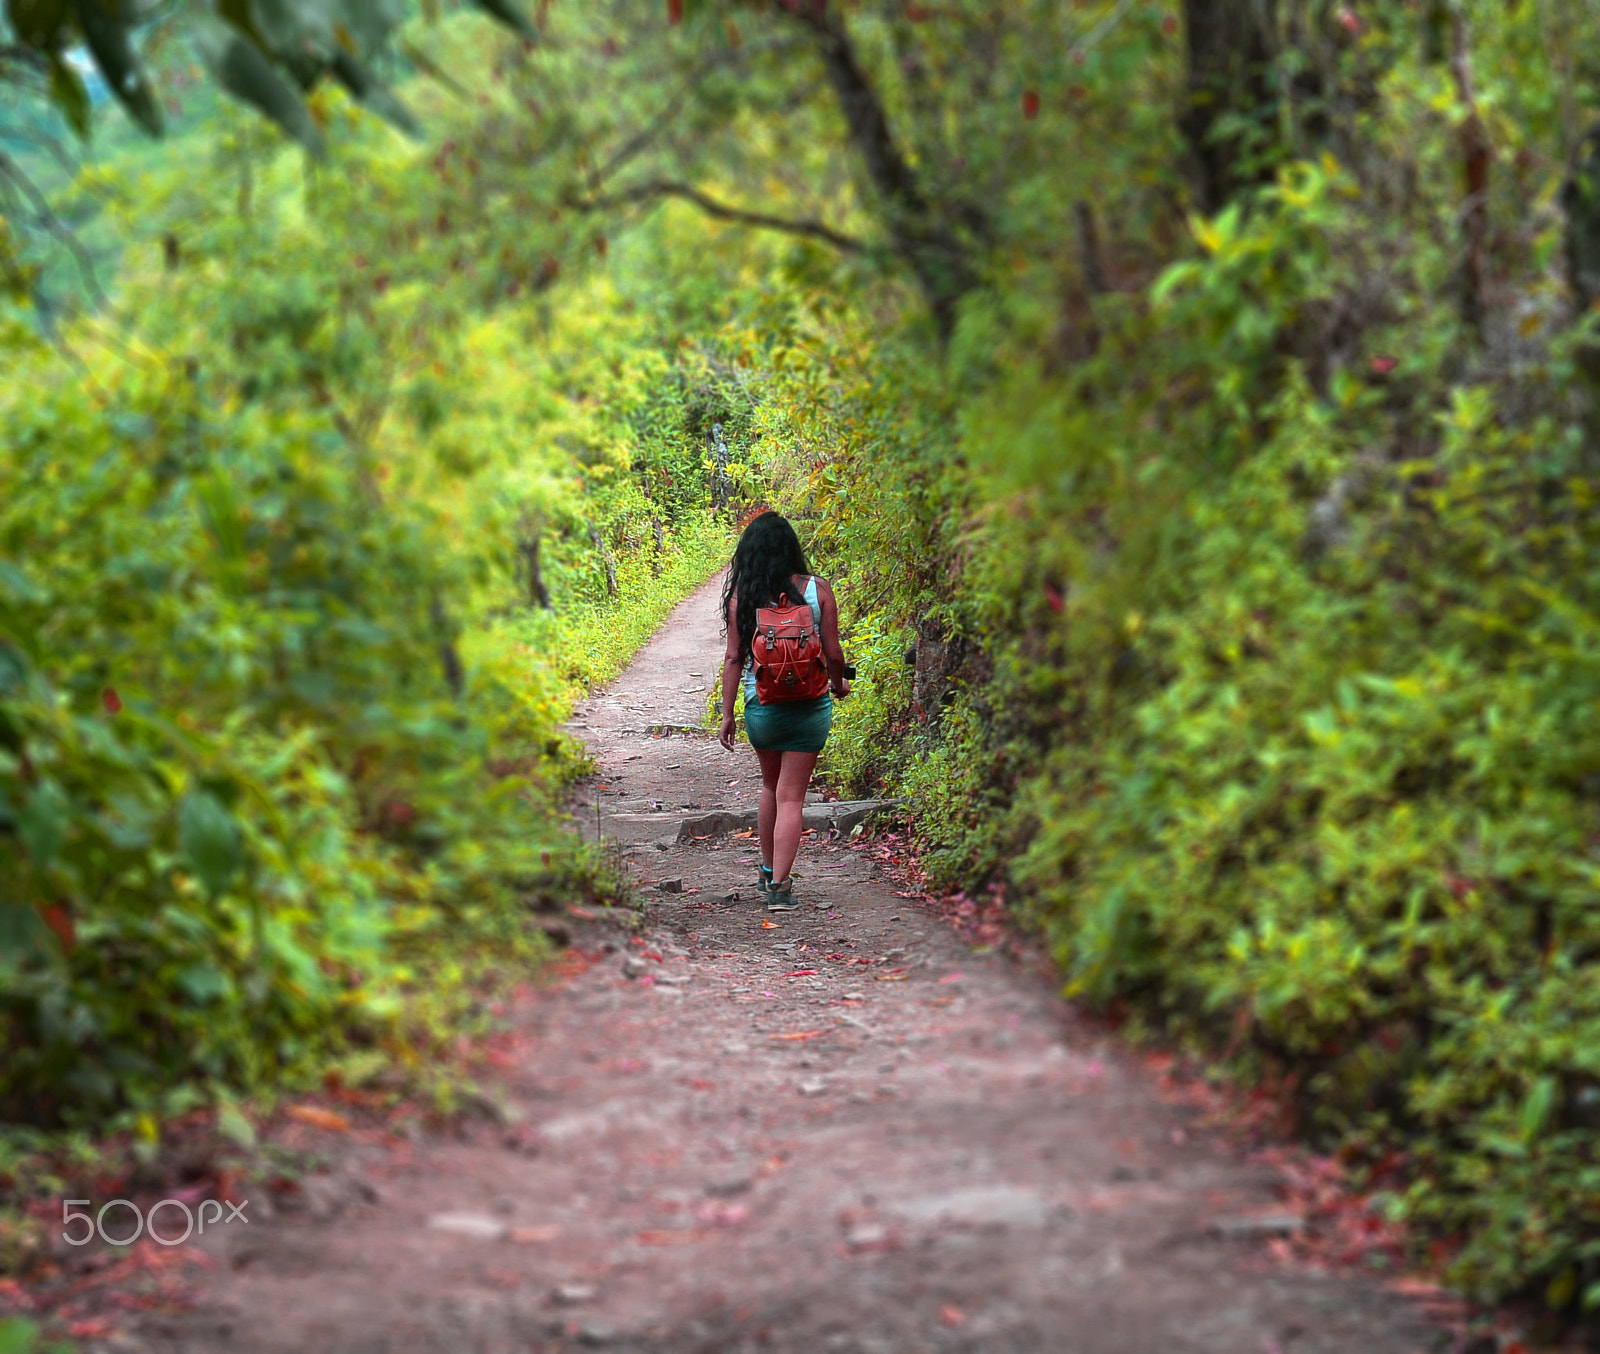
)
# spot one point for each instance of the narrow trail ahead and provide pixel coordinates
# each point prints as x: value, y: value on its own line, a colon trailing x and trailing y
x: 766, y: 1140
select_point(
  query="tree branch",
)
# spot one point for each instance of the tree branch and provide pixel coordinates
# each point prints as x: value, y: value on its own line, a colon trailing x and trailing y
x: 863, y: 111
x: 652, y: 189
x: 922, y: 235
x: 46, y: 219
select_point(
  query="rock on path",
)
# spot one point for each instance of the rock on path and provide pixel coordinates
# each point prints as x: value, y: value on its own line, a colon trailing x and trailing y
x: 843, y: 1133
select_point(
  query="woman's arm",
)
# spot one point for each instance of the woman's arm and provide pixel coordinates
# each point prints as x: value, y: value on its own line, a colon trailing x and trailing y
x: 832, y: 650
x: 732, y: 674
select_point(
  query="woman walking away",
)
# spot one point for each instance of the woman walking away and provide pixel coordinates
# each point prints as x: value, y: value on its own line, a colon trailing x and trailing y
x: 783, y: 643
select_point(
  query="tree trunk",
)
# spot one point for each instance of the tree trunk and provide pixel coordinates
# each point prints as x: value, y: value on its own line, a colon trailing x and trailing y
x: 721, y: 485
x: 449, y: 659
x: 1580, y: 198
x: 607, y: 560
x: 1477, y: 154
x: 528, y: 548
x: 1091, y: 260
x: 1435, y: 31
x: 1230, y: 117
x: 922, y: 238
x: 661, y: 547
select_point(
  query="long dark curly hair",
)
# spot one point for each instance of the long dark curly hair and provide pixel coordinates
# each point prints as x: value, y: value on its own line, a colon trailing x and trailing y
x: 765, y: 562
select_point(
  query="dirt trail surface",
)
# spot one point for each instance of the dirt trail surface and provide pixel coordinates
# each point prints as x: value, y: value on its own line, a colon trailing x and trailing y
x: 847, y: 1132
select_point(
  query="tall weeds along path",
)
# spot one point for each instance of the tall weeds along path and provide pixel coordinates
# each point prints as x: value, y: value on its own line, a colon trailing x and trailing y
x: 842, y: 1133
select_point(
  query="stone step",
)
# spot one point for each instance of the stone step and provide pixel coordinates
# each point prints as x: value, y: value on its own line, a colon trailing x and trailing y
x: 842, y: 814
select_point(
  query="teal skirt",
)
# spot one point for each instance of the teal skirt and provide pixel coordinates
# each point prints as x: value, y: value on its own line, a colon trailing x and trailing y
x: 789, y: 726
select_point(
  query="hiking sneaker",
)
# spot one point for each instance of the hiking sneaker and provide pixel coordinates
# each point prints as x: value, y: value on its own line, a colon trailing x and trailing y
x: 780, y: 897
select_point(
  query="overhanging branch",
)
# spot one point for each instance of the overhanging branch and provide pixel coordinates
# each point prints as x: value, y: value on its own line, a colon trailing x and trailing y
x: 653, y: 189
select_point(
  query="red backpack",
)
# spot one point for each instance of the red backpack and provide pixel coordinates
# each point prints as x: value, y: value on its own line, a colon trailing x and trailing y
x: 787, y: 651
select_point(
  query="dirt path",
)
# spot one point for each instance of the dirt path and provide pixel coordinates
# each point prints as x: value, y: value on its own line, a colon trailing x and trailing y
x: 769, y: 1141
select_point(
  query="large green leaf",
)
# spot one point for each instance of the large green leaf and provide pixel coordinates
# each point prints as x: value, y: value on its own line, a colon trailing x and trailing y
x: 365, y: 26
x: 373, y: 93
x: 105, y: 32
x: 210, y: 839
x: 510, y: 14
x: 243, y: 70
x: 39, y: 24
x: 42, y: 822
x: 69, y: 95
x: 22, y: 930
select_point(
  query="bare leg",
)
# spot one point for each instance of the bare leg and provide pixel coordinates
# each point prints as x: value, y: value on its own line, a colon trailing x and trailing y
x: 791, y: 796
x: 767, y: 807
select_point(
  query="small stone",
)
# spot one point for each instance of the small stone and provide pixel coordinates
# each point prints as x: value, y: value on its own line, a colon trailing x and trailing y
x: 557, y: 932
x: 725, y: 1187
x: 1257, y: 1224
x: 573, y: 1294
x: 634, y: 967
x: 854, y: 996
x: 814, y: 1086
x: 670, y: 886
x: 595, y: 1336
x: 366, y: 1191
x: 478, y: 1225
x: 504, y: 1204
x: 673, y: 979
x: 860, y: 1098
x: 732, y: 896
x: 866, y: 1235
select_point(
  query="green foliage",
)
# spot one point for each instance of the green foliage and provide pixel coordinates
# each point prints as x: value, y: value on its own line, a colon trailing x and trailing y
x: 1254, y: 576
x: 295, y: 588
x: 264, y: 53
x: 1275, y: 593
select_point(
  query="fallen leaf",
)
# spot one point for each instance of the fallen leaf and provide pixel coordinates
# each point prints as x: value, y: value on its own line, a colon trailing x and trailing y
x: 1412, y: 1287
x: 533, y: 1236
x: 659, y: 1237
x: 93, y: 1329
x: 801, y: 1034
x: 319, y: 1118
x: 771, y: 926
x: 800, y: 973
x: 951, y: 1315
x: 955, y: 977
x: 894, y: 975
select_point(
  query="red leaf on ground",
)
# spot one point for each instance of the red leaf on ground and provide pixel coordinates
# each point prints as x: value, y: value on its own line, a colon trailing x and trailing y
x: 318, y: 1118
